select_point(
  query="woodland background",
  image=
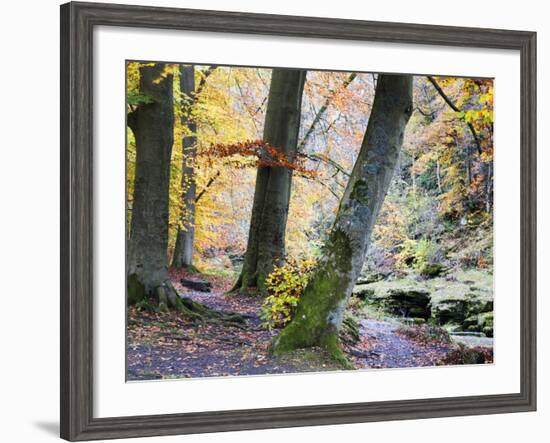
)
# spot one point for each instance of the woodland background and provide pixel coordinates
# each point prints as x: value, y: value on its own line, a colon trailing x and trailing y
x: 443, y: 182
x: 246, y: 174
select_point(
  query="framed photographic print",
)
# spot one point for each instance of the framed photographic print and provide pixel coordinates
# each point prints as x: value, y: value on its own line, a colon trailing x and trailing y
x: 273, y: 221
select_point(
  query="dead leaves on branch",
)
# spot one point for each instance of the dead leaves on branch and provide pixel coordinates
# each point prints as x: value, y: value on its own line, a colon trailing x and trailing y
x: 261, y: 153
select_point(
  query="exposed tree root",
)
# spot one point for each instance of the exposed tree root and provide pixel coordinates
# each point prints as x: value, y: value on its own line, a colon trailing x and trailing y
x: 360, y: 354
x: 350, y: 334
x: 166, y: 298
x: 213, y: 315
x: 237, y: 286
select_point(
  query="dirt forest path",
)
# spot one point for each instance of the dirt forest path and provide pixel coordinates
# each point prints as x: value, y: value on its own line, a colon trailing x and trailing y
x: 389, y: 349
x: 170, y: 346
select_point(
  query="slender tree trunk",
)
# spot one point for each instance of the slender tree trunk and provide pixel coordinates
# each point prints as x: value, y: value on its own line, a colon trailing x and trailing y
x: 468, y: 162
x: 153, y: 127
x: 266, y: 238
x: 320, y: 310
x: 183, y: 252
x: 413, y: 177
x: 438, y: 174
x: 488, y: 187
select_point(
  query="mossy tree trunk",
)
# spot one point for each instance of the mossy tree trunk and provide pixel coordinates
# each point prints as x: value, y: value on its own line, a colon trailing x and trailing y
x: 320, y: 311
x: 153, y: 128
x: 266, y: 238
x: 183, y: 251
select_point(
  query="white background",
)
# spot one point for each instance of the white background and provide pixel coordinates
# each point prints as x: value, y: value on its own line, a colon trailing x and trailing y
x: 29, y: 232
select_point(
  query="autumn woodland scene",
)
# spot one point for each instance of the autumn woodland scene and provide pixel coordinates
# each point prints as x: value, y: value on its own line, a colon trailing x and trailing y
x: 288, y: 220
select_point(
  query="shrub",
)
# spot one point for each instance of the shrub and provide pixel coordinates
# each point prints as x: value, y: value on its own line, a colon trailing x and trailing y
x: 284, y: 286
x: 423, y: 255
x: 463, y: 355
x: 405, y: 257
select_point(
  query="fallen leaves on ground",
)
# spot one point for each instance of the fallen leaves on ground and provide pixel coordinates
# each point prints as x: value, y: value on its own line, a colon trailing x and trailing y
x: 169, y: 345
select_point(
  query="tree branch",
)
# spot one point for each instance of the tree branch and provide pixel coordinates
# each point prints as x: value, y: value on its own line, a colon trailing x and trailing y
x: 205, y: 74
x: 208, y: 184
x: 330, y: 189
x: 424, y: 113
x: 322, y: 110
x: 243, y: 100
x: 318, y: 157
x: 456, y: 109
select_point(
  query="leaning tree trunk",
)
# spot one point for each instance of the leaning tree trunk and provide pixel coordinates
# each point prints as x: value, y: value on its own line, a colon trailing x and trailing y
x: 183, y: 252
x: 153, y: 128
x: 266, y: 238
x: 320, y: 310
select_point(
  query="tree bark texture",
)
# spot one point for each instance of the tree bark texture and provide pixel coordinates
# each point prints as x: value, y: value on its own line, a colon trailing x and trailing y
x: 320, y: 311
x: 153, y: 126
x: 183, y: 252
x: 266, y: 239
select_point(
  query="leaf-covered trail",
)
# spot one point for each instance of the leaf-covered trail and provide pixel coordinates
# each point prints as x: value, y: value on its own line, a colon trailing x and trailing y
x: 389, y: 349
x: 167, y: 345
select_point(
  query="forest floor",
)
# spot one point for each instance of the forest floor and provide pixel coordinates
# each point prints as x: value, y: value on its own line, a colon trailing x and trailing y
x: 168, y: 345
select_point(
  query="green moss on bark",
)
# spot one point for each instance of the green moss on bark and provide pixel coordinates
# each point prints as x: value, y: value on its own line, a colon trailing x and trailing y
x: 360, y: 192
x: 319, y: 314
x: 135, y: 290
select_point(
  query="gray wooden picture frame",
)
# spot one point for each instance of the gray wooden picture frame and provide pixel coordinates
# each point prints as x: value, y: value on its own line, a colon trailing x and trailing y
x: 77, y: 23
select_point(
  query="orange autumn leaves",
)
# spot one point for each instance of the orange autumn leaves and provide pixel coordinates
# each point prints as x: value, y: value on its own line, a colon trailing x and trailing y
x: 262, y: 153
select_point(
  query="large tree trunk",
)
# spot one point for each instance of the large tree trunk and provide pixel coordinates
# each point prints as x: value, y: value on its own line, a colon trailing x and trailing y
x: 183, y: 252
x: 153, y: 127
x: 320, y: 311
x: 266, y: 238
x: 148, y: 281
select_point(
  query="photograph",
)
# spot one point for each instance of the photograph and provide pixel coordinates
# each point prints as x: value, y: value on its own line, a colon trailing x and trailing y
x: 275, y: 221
x: 284, y: 220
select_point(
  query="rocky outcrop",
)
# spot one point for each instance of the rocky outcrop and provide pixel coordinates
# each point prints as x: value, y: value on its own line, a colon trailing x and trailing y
x: 464, y: 301
x: 482, y: 322
x: 464, y: 306
x: 370, y: 277
x: 411, y: 301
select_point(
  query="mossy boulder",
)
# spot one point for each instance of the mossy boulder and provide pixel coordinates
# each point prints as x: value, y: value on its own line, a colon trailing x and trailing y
x: 477, y: 305
x: 480, y: 323
x: 447, y: 300
x: 456, y: 304
x: 449, y: 311
x: 486, y: 321
x: 364, y: 292
x: 403, y: 298
x: 370, y: 277
x: 408, y: 302
x: 461, y: 296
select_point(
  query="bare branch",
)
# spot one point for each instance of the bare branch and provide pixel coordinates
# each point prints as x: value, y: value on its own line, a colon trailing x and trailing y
x: 424, y: 113
x: 322, y: 110
x: 208, y: 184
x: 202, y: 82
x: 319, y: 157
x: 456, y: 109
x: 330, y: 189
